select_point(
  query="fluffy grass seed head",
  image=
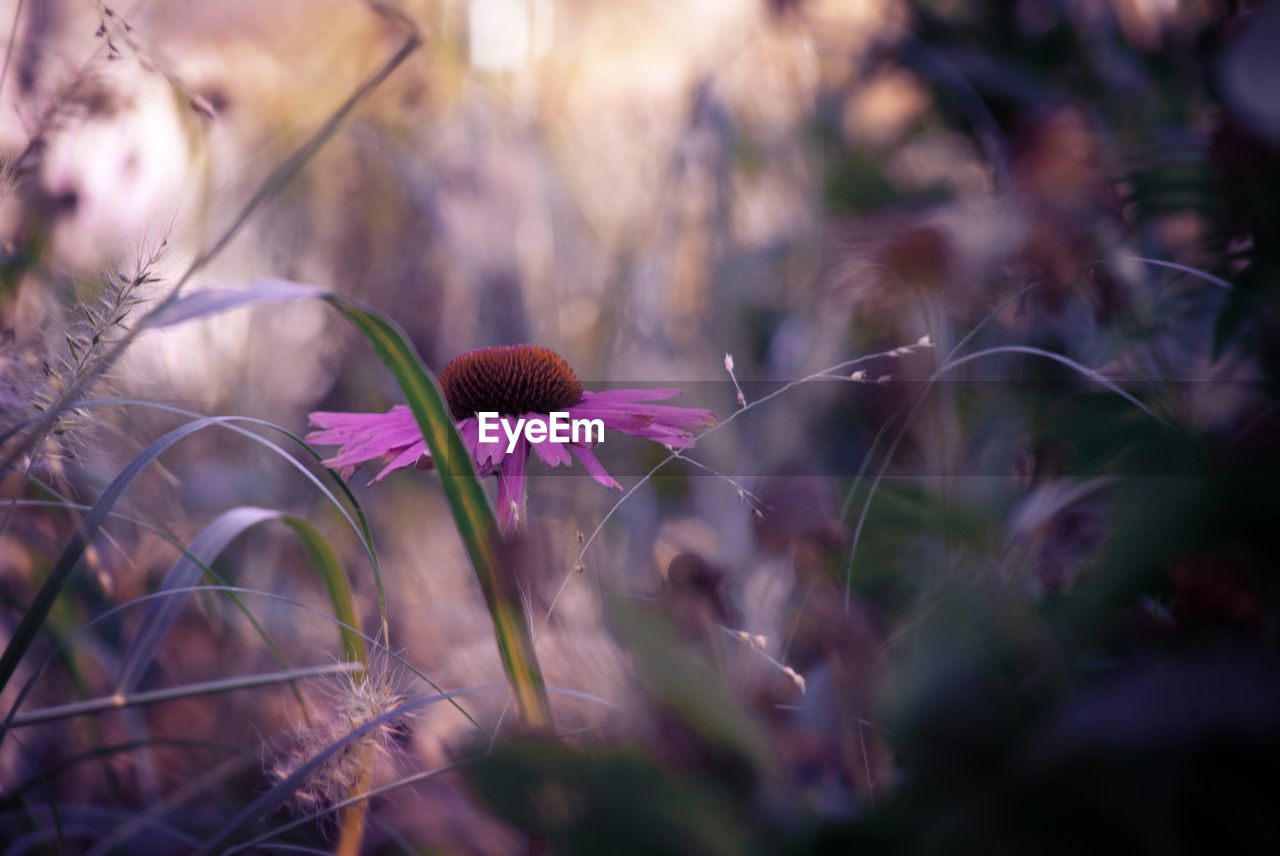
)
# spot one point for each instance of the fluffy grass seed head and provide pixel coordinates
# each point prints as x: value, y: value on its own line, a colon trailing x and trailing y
x: 353, y: 700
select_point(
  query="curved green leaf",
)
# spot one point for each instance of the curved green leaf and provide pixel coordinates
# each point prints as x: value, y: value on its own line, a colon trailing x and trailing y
x: 202, y: 552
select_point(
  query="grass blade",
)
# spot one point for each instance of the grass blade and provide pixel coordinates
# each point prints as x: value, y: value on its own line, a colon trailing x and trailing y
x: 185, y: 572
x: 279, y: 793
x: 38, y: 611
x: 118, y: 701
x: 218, y: 299
x: 35, y: 615
x: 237, y: 593
x: 359, y: 525
x: 472, y: 514
x: 327, y: 562
x: 202, y: 552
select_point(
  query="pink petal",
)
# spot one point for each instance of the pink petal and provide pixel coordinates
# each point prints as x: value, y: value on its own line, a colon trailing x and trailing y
x: 408, y: 457
x: 491, y: 454
x: 392, y: 436
x: 511, y: 486
x: 469, y: 431
x: 552, y: 454
x: 593, y: 466
x: 614, y: 419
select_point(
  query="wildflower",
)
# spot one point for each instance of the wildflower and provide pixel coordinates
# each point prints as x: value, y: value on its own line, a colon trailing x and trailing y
x: 516, y: 381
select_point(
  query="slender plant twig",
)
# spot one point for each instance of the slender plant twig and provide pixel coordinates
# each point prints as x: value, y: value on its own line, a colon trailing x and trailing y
x: 1187, y: 269
x: 51, y: 112
x: 223, y: 685
x: 866, y: 460
x: 1004, y: 349
x: 824, y: 374
x: 234, y: 590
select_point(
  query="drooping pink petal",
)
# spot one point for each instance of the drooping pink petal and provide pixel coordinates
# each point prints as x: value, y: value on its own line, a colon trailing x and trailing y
x: 552, y: 454
x: 511, y: 478
x: 392, y: 436
x: 666, y: 435
x: 409, y: 457
x: 630, y: 411
x: 676, y: 417
x: 614, y: 419
x: 561, y: 451
x: 469, y: 431
x: 593, y: 466
x: 638, y: 402
x: 368, y: 431
x: 359, y: 422
x: 489, y: 455
x: 339, y: 428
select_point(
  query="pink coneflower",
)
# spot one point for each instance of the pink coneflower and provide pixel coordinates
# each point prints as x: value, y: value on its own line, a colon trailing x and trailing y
x: 516, y: 381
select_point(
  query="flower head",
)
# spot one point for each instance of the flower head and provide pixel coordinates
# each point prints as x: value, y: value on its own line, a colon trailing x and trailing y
x: 518, y: 382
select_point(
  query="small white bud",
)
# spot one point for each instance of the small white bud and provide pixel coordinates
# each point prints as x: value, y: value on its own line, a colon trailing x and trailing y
x: 883, y: 379
x: 728, y: 363
x: 796, y: 677
x: 924, y: 341
x: 760, y: 642
x: 742, y: 401
x: 859, y: 375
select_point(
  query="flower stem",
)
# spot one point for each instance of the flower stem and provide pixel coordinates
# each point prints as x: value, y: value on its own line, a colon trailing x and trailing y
x: 472, y: 515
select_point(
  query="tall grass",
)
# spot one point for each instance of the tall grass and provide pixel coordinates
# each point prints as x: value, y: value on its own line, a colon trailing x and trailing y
x: 338, y: 757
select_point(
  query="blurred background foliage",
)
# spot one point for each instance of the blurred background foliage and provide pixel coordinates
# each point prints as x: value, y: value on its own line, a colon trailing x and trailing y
x: 1052, y: 625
